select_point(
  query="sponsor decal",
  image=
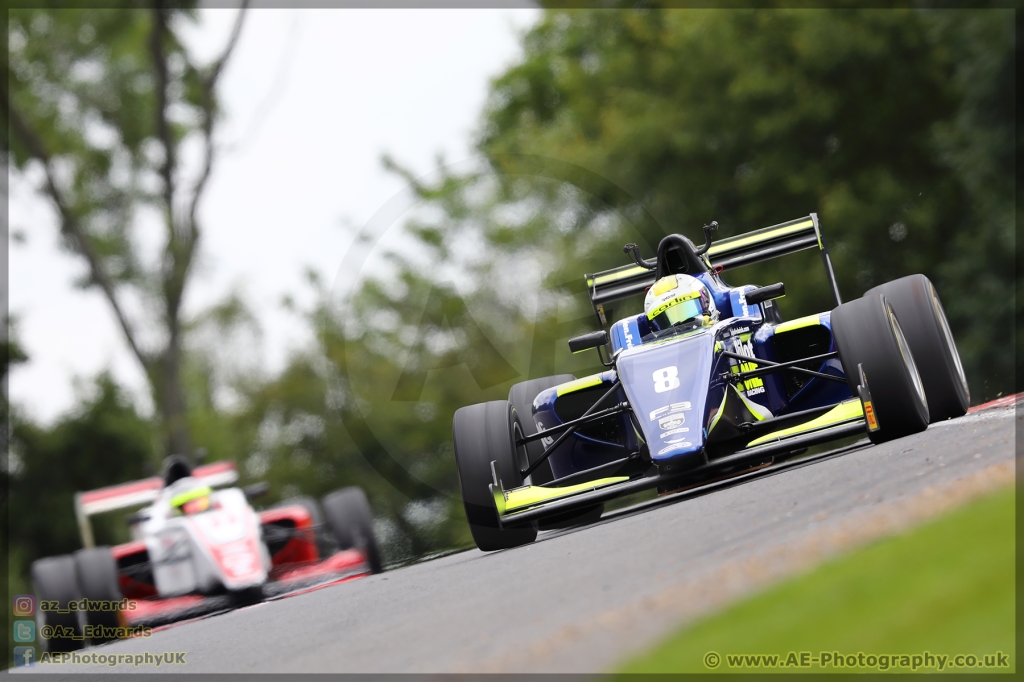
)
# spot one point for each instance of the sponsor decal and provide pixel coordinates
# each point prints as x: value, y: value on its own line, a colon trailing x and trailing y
x: 674, y: 441
x: 671, y: 422
x: 674, y: 447
x: 675, y: 431
x: 741, y: 330
x: 670, y: 409
x: 869, y: 415
x: 754, y: 385
x: 546, y: 441
x: 626, y: 335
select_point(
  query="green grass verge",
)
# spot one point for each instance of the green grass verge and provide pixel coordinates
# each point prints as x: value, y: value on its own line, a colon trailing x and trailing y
x: 946, y: 587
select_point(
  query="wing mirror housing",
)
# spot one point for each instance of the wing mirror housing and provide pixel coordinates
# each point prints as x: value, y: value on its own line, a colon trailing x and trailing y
x: 255, y: 490
x: 597, y: 340
x: 762, y: 294
x: 579, y: 344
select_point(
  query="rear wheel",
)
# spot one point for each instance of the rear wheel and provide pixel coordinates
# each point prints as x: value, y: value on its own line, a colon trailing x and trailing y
x: 482, y: 434
x: 96, y: 570
x: 350, y: 520
x: 924, y: 324
x: 55, y: 582
x: 868, y: 335
x: 521, y: 397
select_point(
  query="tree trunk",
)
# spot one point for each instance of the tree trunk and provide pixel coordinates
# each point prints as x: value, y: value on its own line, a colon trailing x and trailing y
x: 171, y: 403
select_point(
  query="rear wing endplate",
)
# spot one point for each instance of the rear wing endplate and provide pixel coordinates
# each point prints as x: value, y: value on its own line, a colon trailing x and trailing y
x: 138, y: 493
x: 734, y: 252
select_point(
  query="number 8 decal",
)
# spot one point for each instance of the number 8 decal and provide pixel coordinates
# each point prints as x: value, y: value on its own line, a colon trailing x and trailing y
x: 665, y: 379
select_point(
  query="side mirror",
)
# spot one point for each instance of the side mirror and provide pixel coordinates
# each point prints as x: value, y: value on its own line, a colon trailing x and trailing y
x: 762, y: 294
x: 588, y: 341
x: 256, y: 490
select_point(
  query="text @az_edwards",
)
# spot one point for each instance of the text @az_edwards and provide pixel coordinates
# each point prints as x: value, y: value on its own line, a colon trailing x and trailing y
x: 860, y: 660
x: 95, y: 632
x: 113, y: 660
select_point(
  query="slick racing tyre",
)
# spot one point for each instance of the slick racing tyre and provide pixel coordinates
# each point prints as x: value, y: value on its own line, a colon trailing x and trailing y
x: 350, y: 520
x: 54, y: 582
x: 313, y: 507
x: 924, y: 323
x: 96, y: 570
x: 482, y: 434
x: 869, y: 336
x: 521, y: 396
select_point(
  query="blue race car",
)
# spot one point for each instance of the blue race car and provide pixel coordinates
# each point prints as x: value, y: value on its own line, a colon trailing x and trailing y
x: 708, y: 381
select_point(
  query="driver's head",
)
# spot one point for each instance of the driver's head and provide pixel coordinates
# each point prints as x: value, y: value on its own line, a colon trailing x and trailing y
x: 679, y: 300
x: 192, y: 501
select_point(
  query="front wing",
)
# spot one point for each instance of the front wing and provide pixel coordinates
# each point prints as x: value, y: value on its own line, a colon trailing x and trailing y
x: 523, y: 505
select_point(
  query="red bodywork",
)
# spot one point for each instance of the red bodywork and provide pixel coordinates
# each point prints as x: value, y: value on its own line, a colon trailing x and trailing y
x: 296, y: 560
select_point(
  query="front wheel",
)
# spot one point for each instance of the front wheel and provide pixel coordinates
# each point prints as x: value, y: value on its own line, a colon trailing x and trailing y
x: 869, y: 337
x: 96, y: 570
x: 482, y: 434
x: 350, y: 520
x: 54, y: 581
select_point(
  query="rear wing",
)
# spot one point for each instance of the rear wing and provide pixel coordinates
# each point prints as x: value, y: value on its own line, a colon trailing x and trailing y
x: 137, y: 493
x: 730, y: 253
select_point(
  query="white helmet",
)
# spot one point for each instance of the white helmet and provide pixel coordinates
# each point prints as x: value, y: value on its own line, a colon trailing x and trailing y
x: 679, y: 300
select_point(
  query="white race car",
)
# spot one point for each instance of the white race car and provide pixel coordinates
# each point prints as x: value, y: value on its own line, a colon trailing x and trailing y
x: 196, y: 549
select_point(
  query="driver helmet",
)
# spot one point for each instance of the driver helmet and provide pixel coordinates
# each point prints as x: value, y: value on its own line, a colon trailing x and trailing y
x: 192, y: 501
x: 680, y: 300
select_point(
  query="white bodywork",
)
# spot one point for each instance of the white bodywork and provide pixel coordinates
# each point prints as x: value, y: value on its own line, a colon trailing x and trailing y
x: 200, y: 552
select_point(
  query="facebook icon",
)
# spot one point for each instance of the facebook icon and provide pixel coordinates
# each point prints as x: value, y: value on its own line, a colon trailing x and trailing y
x: 24, y: 656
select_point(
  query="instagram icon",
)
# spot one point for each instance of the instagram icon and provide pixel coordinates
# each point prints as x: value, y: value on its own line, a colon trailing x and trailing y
x: 24, y: 605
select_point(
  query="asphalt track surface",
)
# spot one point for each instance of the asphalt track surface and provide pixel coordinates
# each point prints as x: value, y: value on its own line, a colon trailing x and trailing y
x: 581, y: 600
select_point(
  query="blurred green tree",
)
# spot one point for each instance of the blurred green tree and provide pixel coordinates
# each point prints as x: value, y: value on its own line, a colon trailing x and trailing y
x: 106, y: 108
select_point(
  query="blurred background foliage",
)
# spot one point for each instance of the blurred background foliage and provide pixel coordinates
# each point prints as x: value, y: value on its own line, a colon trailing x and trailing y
x: 896, y: 126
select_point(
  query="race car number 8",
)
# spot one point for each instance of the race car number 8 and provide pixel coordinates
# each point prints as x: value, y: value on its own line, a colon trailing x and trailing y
x: 665, y: 379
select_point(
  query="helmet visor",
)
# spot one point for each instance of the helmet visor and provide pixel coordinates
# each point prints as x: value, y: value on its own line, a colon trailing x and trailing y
x: 678, y: 312
x: 200, y: 504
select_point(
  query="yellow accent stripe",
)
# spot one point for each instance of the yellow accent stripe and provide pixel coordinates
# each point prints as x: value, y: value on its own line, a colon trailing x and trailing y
x: 798, y: 323
x: 533, y: 495
x: 615, y: 276
x: 579, y: 384
x: 189, y: 495
x: 727, y: 245
x: 843, y: 412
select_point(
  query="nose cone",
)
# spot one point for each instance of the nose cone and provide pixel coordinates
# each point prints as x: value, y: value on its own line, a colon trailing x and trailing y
x: 667, y: 385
